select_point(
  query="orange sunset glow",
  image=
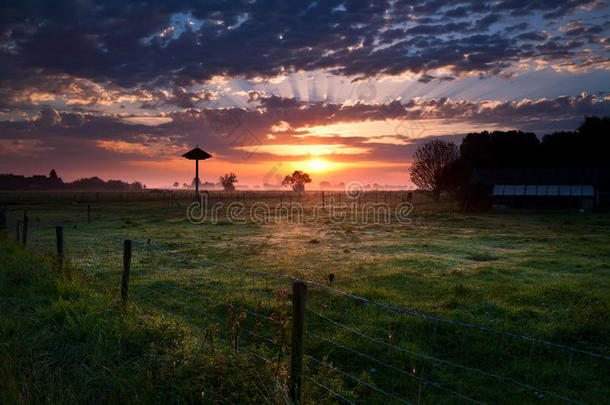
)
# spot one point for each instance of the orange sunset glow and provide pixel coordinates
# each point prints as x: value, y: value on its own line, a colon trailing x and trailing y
x: 290, y: 202
x: 354, y: 109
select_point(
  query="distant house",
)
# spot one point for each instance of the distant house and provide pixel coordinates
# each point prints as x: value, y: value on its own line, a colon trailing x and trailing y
x: 547, y: 188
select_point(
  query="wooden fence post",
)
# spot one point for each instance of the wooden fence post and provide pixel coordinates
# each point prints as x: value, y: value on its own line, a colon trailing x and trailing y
x: 88, y: 213
x: 322, y: 199
x: 24, y: 232
x: 2, y: 219
x: 18, y: 231
x: 59, y: 233
x: 299, y: 292
x: 126, y: 267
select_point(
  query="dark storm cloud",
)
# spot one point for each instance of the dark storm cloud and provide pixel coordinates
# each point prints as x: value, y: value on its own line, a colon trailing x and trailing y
x: 148, y: 44
x: 551, y: 8
x: 533, y: 36
x: 517, y: 27
x: 179, y: 97
x: 51, y: 124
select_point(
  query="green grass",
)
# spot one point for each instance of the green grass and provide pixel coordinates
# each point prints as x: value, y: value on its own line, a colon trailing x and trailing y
x: 539, y: 274
x: 62, y: 342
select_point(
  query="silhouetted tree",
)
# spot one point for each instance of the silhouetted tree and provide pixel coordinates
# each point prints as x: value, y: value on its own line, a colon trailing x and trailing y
x: 228, y: 181
x: 475, y: 149
x: 456, y: 181
x: 594, y: 136
x: 325, y: 185
x: 514, y: 149
x: 297, y: 181
x: 176, y: 184
x: 95, y: 183
x: 586, y: 147
x: 429, y: 165
x: 54, y: 181
x: 595, y: 126
x: 501, y: 149
x: 562, y: 149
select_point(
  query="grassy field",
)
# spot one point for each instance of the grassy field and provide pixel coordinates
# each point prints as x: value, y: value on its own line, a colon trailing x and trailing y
x: 538, y: 274
x: 64, y: 342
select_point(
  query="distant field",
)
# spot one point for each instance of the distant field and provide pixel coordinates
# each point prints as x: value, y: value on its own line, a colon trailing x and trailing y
x: 539, y: 274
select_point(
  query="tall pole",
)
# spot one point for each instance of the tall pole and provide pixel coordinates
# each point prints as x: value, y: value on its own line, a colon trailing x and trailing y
x: 196, y: 178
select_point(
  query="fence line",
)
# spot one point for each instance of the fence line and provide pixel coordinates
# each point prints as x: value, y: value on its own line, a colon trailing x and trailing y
x: 197, y: 259
x: 426, y: 357
x: 358, y: 380
x: 217, y: 288
x: 213, y: 300
x: 251, y: 333
x: 382, y: 305
x: 355, y: 297
x: 38, y: 242
x: 431, y: 383
x: 382, y: 363
x: 149, y: 247
x: 199, y: 329
x: 454, y: 322
x: 329, y: 390
x: 185, y: 305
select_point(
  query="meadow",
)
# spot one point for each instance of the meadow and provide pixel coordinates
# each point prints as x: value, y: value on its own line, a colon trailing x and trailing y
x: 450, y: 298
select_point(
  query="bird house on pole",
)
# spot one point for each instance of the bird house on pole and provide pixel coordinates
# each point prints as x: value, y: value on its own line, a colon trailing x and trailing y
x: 197, y: 155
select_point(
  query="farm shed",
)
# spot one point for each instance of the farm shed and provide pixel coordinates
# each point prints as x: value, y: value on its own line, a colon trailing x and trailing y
x: 547, y: 188
x: 575, y: 196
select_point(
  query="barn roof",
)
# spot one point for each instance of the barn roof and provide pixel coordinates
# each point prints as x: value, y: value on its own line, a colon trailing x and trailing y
x: 197, y: 154
x: 543, y: 190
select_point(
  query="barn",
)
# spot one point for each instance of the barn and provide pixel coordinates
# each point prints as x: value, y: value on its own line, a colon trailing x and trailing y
x: 579, y: 189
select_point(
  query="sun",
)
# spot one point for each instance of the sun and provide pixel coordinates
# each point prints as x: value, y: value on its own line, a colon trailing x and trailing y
x: 318, y: 165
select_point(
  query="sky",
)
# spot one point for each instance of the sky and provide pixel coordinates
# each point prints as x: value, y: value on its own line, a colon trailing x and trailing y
x: 344, y: 90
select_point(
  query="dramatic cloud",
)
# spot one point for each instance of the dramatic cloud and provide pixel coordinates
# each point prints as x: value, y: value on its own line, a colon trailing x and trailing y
x: 258, y: 81
x: 152, y: 43
x: 285, y: 128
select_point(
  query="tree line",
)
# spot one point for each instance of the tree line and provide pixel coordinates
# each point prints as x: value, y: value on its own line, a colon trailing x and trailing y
x: 13, y: 182
x: 441, y: 166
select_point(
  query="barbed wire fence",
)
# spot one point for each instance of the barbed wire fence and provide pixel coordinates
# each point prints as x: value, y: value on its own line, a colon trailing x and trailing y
x: 355, y: 350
